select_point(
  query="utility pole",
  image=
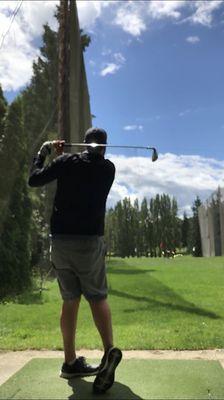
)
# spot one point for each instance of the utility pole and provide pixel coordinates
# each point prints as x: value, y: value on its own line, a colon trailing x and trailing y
x: 63, y: 71
x: 74, y: 114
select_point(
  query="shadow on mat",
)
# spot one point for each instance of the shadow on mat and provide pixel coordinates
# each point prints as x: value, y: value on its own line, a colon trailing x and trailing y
x: 82, y: 390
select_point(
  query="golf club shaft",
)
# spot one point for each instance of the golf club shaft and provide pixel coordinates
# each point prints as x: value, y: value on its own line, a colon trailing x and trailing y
x: 108, y: 145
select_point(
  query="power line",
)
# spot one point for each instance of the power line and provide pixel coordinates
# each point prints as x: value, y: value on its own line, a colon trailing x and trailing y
x: 15, y: 12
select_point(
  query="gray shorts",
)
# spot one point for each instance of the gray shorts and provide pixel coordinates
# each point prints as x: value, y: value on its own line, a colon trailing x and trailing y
x: 79, y: 263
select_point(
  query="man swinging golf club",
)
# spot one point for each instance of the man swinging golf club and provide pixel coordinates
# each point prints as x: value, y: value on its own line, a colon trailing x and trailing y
x: 78, y: 250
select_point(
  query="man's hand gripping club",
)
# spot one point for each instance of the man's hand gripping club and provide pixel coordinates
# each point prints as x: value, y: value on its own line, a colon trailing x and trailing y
x: 57, y: 145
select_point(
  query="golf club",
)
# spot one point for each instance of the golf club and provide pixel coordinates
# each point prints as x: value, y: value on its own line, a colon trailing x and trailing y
x: 154, y: 151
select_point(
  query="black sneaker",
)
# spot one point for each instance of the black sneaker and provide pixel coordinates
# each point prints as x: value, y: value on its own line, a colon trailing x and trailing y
x: 78, y: 368
x: 106, y: 374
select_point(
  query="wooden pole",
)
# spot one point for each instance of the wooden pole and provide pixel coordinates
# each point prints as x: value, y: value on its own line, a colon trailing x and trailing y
x: 63, y: 72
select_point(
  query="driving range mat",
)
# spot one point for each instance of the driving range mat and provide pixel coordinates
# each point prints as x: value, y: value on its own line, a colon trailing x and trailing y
x: 135, y: 379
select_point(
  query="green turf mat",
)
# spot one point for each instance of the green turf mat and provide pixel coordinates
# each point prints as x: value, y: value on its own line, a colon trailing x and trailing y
x: 135, y: 379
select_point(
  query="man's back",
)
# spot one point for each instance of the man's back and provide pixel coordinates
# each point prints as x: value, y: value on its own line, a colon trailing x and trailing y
x: 83, y: 184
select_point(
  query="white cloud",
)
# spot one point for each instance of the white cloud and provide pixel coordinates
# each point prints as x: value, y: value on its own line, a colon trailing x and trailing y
x: 133, y: 128
x: 109, y: 69
x: 37, y: 13
x: 18, y: 50
x: 204, y: 11
x: 114, y: 66
x: 27, y: 27
x: 92, y: 63
x: 133, y: 17
x: 106, y: 52
x: 193, y: 39
x: 129, y: 16
x: 183, y: 177
x: 119, y: 58
x: 183, y: 113
x: 158, y: 9
x: 16, y: 67
x: 90, y: 11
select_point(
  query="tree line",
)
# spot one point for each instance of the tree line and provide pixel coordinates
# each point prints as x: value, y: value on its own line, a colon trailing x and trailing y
x: 152, y: 228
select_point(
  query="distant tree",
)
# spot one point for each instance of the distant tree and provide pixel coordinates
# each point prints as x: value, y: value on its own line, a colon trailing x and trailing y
x: 128, y: 236
x: 176, y: 225
x: 133, y: 230
x: 110, y: 232
x: 120, y: 234
x: 194, y: 240
x: 155, y: 217
x: 185, y: 225
x: 165, y: 223
x: 146, y: 229
x: 137, y: 229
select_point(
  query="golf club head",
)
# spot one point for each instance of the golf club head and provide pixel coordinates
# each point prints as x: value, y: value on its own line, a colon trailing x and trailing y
x: 154, y: 154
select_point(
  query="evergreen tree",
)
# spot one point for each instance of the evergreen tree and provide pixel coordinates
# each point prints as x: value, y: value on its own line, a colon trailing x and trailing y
x: 133, y: 230
x: 130, y: 244
x: 137, y: 234
x: 120, y: 234
x: 185, y: 230
x: 3, y: 109
x: 194, y: 241
x: 40, y: 100
x: 20, y: 135
x: 12, y: 151
x: 15, y: 271
x: 110, y: 232
x: 146, y: 229
x: 176, y: 225
x: 41, y: 96
x: 155, y: 217
x: 165, y: 224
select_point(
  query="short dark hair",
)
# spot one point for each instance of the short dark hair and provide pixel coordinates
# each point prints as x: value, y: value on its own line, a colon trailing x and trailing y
x: 95, y: 135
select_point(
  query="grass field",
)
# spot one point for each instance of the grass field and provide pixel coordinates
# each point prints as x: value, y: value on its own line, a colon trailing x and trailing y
x: 156, y: 304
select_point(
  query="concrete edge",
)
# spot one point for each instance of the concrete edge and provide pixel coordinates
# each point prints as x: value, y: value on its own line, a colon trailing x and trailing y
x: 13, y: 361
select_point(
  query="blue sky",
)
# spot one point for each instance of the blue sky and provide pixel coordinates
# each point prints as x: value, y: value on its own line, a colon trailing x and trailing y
x: 155, y: 76
x: 169, y: 87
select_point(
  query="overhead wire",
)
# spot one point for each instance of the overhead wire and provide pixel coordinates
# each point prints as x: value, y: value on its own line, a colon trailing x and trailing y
x: 15, y: 12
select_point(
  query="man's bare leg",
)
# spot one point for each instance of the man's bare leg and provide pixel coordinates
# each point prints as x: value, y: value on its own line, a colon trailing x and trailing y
x: 68, y: 322
x: 112, y: 356
x: 102, y: 318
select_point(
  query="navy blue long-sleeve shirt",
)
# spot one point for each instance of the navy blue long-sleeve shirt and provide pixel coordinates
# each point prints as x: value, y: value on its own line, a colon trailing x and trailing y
x: 83, y: 183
